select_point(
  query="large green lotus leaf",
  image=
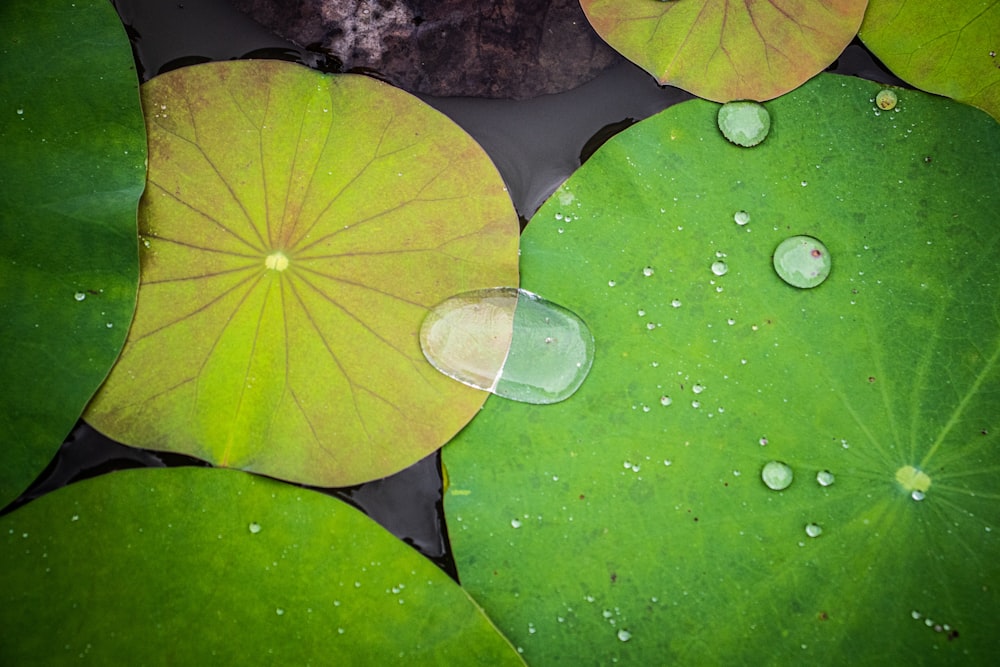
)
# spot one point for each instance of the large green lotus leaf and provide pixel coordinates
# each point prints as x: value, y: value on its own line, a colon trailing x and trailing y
x: 195, y: 566
x: 948, y: 47
x: 72, y: 169
x: 631, y: 522
x: 723, y: 50
x: 296, y: 229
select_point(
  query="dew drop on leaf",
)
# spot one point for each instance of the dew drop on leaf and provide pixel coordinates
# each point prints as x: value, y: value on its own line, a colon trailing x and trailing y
x: 719, y: 268
x: 744, y: 123
x: 510, y: 342
x: 776, y: 475
x: 802, y: 261
x: 254, y: 527
x: 824, y: 478
x: 813, y: 530
x: 79, y: 296
x: 741, y: 217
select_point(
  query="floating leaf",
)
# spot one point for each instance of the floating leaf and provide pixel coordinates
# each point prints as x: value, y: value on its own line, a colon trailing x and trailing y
x: 635, y: 521
x: 949, y: 47
x: 72, y: 169
x: 723, y: 50
x: 296, y: 230
x: 198, y: 566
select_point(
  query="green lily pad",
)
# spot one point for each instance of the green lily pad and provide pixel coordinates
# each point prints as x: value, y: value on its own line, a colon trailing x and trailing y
x: 198, y: 566
x: 725, y: 50
x: 640, y: 520
x: 949, y: 47
x: 72, y: 169
x: 296, y: 230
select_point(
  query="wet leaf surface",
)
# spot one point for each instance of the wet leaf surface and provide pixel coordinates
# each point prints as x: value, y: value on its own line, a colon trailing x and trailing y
x: 296, y: 230
x: 949, y: 48
x: 643, y: 519
x: 72, y: 152
x: 722, y: 50
x: 198, y: 566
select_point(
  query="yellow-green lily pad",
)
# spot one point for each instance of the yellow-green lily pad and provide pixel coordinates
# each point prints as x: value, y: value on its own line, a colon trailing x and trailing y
x: 296, y: 229
x: 724, y: 51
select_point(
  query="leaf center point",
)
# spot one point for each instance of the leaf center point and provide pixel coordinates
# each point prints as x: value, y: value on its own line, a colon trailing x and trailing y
x: 913, y: 479
x: 277, y: 260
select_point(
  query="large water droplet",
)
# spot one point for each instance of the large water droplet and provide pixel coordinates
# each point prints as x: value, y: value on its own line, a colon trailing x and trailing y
x: 741, y: 218
x: 802, y: 261
x: 776, y: 475
x: 813, y: 530
x: 510, y: 342
x: 719, y: 268
x: 744, y: 123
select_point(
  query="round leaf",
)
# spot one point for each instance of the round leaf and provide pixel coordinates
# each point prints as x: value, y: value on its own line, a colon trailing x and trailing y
x: 723, y: 50
x: 198, y: 566
x: 296, y: 230
x: 948, y: 47
x: 72, y: 169
x: 753, y: 472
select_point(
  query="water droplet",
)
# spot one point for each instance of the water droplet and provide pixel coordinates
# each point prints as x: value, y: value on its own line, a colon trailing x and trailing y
x: 802, y: 261
x: 697, y: 388
x: 776, y: 475
x: 824, y: 477
x: 719, y: 268
x: 918, y: 495
x: 611, y: 283
x: 514, y: 523
x: 763, y: 442
x: 624, y: 635
x: 741, y: 217
x: 277, y: 261
x: 886, y: 99
x: 279, y: 611
x: 641, y: 312
x: 813, y: 530
x: 79, y: 296
x: 665, y: 400
x: 676, y: 303
x: 510, y: 342
x: 254, y: 527
x: 648, y: 271
x: 744, y: 123
x: 110, y: 325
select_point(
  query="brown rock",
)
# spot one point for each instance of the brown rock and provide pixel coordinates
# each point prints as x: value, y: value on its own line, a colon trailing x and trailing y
x: 478, y: 48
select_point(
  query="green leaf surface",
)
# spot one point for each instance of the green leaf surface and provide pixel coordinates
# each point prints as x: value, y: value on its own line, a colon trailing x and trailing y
x: 722, y: 50
x: 296, y: 230
x: 72, y: 169
x: 195, y: 566
x: 948, y: 47
x: 632, y: 522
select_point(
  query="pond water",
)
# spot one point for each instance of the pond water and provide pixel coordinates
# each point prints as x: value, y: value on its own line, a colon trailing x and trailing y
x: 536, y: 144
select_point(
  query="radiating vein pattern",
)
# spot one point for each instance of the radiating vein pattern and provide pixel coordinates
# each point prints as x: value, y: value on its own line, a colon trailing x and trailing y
x: 296, y: 229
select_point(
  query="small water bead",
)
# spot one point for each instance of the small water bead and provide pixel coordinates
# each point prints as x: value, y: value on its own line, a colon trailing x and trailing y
x: 886, y: 100
x: 79, y: 296
x: 514, y: 523
x: 813, y: 530
x: 776, y: 475
x: 254, y: 528
x: 510, y: 342
x: 824, y: 478
x: 648, y: 271
x: 741, y: 218
x: 611, y: 283
x: 624, y: 635
x: 918, y: 495
x: 744, y: 123
x: 665, y: 400
x: 802, y: 261
x: 697, y: 388
x: 676, y: 303
x: 719, y: 268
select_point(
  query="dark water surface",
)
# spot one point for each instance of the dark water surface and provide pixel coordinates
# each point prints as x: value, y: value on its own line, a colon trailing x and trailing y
x: 536, y: 144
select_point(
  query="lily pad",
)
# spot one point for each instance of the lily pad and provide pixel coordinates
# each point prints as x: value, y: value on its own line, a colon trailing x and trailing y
x: 72, y: 169
x: 724, y: 51
x: 948, y: 47
x: 296, y: 230
x: 199, y: 566
x: 640, y: 520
